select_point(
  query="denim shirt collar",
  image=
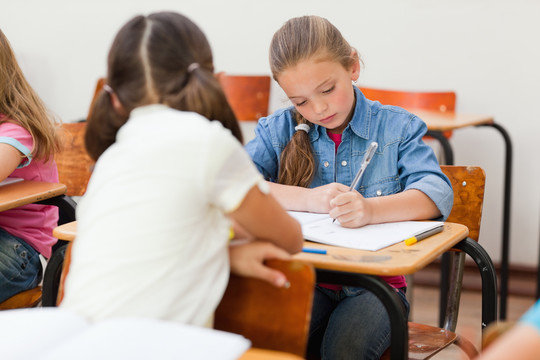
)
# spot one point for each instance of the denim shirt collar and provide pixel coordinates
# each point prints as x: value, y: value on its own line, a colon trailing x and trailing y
x: 359, y: 123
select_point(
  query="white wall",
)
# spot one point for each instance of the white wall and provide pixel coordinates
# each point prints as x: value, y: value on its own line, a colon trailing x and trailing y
x: 485, y: 50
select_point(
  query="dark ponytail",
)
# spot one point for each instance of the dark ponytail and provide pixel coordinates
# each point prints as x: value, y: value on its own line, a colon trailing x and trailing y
x: 148, y: 63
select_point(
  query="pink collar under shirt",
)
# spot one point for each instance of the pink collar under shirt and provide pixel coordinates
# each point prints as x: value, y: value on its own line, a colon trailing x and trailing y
x: 394, y: 281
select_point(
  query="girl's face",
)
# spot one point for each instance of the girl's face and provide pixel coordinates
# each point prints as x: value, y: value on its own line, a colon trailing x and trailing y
x: 322, y: 92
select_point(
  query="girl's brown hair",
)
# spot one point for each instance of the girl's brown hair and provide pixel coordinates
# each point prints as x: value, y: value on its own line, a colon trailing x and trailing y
x: 300, y: 39
x: 160, y: 58
x: 21, y: 105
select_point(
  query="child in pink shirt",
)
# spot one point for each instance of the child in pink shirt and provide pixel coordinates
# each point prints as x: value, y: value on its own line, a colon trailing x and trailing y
x: 28, y: 141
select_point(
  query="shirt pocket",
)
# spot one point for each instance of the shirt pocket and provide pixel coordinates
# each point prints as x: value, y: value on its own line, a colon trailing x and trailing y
x: 382, y: 187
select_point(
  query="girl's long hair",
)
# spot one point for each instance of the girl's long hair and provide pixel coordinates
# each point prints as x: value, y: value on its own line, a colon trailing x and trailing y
x: 300, y: 39
x: 20, y: 104
x: 160, y: 58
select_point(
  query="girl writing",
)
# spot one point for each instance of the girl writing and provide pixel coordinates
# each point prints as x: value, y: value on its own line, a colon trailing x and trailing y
x: 310, y: 153
x: 170, y: 176
x: 28, y: 141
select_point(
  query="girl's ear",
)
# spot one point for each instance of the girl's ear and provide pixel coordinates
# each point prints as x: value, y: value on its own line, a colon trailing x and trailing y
x: 117, y: 105
x: 355, y: 68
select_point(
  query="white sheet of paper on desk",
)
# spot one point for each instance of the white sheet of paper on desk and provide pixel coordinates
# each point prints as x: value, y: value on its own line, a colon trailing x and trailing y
x: 10, y: 181
x: 320, y: 228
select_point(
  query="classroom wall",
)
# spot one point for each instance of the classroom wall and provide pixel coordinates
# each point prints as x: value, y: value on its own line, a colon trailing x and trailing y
x: 485, y: 50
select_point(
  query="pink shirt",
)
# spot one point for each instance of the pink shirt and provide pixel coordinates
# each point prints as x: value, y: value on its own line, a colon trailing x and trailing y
x: 32, y: 223
x: 394, y: 281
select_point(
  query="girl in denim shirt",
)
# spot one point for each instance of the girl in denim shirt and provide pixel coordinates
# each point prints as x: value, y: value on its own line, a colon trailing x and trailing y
x: 310, y: 153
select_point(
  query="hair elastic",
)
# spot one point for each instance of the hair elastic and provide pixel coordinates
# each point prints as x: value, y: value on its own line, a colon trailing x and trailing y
x: 108, y: 89
x: 304, y: 127
x: 192, y: 67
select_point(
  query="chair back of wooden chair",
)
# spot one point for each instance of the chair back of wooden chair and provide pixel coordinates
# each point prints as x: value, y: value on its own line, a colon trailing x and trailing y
x: 435, y: 101
x: 468, y: 183
x: 73, y: 162
x: 272, y: 318
x: 248, y: 95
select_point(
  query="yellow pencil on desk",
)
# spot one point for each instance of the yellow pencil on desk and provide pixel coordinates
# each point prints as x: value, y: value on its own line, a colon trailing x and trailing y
x: 421, y: 236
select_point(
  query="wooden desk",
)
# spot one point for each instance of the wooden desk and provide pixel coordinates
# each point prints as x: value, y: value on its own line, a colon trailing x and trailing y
x: 352, y: 267
x: 437, y: 123
x: 28, y: 192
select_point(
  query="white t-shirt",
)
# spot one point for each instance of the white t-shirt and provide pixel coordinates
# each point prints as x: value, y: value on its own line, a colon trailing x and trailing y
x: 152, y: 231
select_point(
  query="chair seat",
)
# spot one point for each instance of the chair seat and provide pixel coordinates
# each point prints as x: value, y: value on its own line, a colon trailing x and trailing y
x: 26, y: 299
x: 425, y: 340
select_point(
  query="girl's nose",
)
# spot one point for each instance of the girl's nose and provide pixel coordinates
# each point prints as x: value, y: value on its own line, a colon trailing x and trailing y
x: 319, y: 107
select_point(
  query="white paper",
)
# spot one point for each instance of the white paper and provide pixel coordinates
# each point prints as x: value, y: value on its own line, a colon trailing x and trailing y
x: 320, y: 228
x: 55, y: 333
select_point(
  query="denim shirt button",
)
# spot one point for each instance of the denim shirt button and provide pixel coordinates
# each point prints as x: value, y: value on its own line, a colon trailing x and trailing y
x: 379, y: 192
x: 344, y: 163
x: 326, y: 164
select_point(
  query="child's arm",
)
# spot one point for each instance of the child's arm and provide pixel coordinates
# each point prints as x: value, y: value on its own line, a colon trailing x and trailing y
x: 10, y: 158
x: 353, y: 210
x: 304, y: 199
x: 263, y: 217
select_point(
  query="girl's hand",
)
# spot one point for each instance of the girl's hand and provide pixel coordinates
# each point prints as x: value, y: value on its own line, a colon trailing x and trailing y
x: 319, y: 198
x: 351, y: 209
x: 247, y: 259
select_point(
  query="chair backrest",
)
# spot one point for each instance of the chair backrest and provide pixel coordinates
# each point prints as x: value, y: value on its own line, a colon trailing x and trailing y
x: 73, y: 162
x: 272, y: 318
x: 435, y: 101
x: 468, y: 183
x: 248, y: 95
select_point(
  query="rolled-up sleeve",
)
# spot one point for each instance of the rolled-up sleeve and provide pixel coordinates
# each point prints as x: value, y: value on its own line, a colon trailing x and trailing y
x: 420, y: 170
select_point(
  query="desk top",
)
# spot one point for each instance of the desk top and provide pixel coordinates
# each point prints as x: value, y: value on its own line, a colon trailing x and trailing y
x: 262, y: 354
x: 28, y: 192
x: 445, y: 121
x: 398, y: 259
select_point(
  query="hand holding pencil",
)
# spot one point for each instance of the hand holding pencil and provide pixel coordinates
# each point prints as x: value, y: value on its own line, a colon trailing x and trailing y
x: 365, y: 162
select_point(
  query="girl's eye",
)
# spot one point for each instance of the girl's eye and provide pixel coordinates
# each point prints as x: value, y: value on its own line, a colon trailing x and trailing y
x: 301, y: 103
x: 329, y: 90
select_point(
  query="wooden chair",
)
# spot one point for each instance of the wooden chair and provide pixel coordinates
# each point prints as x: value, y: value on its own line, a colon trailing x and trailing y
x: 442, y: 101
x: 425, y: 341
x: 248, y: 95
x: 272, y: 318
x: 26, y: 299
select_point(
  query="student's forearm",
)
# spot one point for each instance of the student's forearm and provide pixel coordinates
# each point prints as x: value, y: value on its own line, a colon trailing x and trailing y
x: 291, y: 197
x: 407, y: 205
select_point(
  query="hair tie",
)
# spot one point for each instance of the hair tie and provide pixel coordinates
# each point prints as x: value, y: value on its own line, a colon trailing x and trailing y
x: 192, y: 67
x: 108, y: 89
x: 304, y: 127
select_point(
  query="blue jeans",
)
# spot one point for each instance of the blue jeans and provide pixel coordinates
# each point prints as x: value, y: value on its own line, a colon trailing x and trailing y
x: 20, y: 266
x: 349, y: 324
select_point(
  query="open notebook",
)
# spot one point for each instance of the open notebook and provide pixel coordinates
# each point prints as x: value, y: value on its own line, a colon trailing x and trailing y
x: 55, y: 333
x: 320, y: 228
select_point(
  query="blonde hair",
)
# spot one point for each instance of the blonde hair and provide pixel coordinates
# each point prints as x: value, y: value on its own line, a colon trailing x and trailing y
x: 21, y: 105
x: 299, y: 39
x: 165, y: 58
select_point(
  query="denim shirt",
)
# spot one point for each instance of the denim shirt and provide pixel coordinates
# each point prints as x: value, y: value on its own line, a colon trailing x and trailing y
x: 402, y: 160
